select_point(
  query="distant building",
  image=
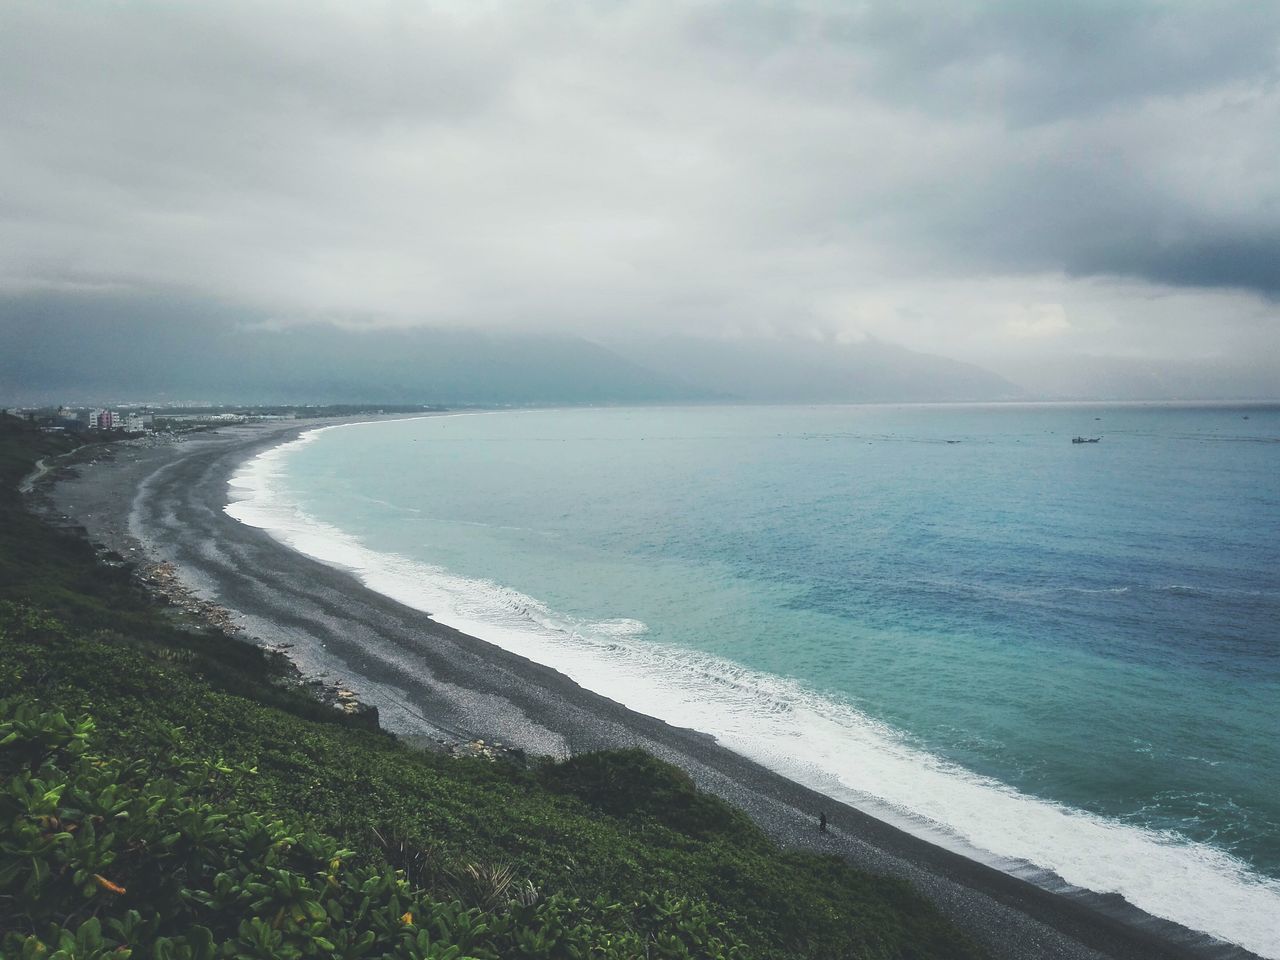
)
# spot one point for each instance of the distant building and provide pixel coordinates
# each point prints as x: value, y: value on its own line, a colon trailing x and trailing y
x: 106, y: 420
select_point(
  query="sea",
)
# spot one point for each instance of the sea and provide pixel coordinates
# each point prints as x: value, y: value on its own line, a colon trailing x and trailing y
x: 1060, y: 658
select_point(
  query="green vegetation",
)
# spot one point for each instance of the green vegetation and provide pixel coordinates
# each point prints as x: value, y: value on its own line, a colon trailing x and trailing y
x: 55, y: 570
x: 103, y: 858
x: 164, y: 791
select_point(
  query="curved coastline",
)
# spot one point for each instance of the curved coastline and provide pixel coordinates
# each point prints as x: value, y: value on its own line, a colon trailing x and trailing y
x: 820, y: 742
x: 431, y: 680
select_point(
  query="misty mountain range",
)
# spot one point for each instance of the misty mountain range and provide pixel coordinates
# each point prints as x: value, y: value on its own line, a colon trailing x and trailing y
x: 52, y: 352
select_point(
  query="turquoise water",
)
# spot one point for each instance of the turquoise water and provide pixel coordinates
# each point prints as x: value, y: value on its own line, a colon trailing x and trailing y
x: 1049, y: 654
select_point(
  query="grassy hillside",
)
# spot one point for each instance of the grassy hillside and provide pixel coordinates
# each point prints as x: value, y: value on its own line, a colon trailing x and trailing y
x: 170, y: 792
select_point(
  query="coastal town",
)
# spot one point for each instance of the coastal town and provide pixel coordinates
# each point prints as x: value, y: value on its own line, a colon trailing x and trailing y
x: 125, y: 420
x: 136, y: 419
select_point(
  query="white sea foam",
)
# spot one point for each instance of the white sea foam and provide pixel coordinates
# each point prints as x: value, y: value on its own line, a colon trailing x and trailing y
x: 810, y: 738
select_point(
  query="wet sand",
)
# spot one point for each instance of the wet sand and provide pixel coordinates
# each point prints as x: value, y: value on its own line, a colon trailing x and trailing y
x: 435, y: 685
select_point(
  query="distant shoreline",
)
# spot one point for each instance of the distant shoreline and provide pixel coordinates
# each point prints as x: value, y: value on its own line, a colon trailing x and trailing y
x: 431, y: 682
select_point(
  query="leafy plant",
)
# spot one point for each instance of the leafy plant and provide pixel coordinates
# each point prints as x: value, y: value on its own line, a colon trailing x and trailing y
x: 105, y: 859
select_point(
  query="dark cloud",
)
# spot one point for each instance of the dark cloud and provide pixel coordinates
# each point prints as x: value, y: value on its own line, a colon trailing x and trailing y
x: 1037, y: 63
x: 1201, y: 261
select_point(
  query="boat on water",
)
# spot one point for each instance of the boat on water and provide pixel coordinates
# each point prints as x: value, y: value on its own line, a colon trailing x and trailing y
x: 1085, y: 439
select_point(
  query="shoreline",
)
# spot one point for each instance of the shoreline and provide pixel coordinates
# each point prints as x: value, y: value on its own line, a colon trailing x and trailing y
x: 431, y: 682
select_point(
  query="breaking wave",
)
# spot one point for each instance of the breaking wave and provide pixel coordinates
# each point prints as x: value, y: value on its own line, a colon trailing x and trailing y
x: 814, y: 739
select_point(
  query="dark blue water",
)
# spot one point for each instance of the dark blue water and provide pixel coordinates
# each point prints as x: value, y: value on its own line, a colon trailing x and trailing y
x: 1061, y: 654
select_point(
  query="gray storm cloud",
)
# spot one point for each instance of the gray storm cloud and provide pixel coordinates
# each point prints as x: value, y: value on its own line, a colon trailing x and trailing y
x: 974, y: 179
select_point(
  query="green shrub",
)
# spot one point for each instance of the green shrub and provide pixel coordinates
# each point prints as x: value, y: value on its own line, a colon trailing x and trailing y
x: 634, y: 784
x: 104, y: 859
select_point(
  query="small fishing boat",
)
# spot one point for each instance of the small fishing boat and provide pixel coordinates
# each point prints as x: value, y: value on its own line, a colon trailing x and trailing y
x: 1085, y: 439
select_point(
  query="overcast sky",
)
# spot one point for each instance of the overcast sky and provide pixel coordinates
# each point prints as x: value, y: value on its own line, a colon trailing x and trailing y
x: 974, y: 179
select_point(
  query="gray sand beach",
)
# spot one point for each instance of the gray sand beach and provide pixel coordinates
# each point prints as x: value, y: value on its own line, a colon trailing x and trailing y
x: 163, y: 503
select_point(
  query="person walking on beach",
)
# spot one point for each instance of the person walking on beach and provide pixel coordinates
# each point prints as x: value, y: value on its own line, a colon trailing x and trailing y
x: 822, y: 821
